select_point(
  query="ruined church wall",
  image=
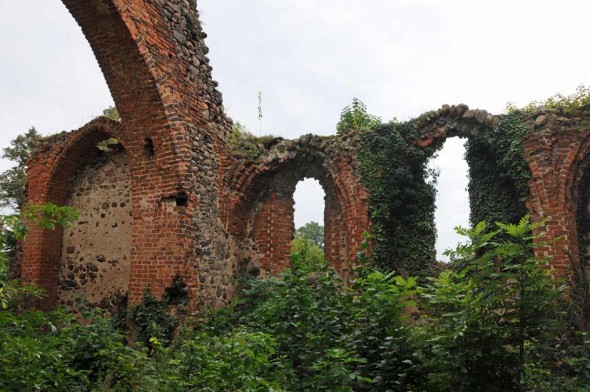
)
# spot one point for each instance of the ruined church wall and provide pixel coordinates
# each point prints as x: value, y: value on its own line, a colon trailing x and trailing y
x: 96, y: 250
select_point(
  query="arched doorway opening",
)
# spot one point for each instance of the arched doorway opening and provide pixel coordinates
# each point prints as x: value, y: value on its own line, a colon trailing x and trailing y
x: 452, y: 197
x: 308, y: 217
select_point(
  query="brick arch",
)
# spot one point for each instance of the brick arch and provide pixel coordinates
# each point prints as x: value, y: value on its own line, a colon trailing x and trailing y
x: 450, y: 121
x: 121, y: 34
x: 153, y: 57
x: 261, y: 208
x: 51, y: 173
x: 570, y: 175
x: 558, y: 155
x: 575, y: 165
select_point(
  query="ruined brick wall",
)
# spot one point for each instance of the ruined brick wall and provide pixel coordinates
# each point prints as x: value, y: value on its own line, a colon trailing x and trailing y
x: 96, y: 250
x: 202, y: 214
x: 557, y: 150
x: 258, y: 203
x: 173, y: 128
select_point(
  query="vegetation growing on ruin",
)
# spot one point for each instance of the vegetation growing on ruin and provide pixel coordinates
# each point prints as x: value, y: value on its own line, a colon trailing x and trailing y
x: 402, y: 190
x: 565, y: 104
x: 244, y: 144
x: 356, y: 117
x: 498, y: 171
x: 491, y: 322
x: 401, y: 199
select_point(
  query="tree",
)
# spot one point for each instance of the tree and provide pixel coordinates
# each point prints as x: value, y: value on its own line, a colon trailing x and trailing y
x: 354, y: 117
x: 13, y: 182
x: 314, y: 232
x: 495, y: 313
x: 48, y: 217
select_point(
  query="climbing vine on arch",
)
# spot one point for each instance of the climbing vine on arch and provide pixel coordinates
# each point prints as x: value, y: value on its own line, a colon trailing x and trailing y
x: 401, y: 198
x: 393, y: 168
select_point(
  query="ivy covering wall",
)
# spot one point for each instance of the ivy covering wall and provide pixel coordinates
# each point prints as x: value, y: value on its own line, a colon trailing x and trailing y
x: 394, y: 169
x: 498, y: 171
x: 401, y: 200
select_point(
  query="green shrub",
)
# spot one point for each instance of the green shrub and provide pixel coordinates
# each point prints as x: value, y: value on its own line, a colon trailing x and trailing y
x: 493, y: 315
x: 151, y: 319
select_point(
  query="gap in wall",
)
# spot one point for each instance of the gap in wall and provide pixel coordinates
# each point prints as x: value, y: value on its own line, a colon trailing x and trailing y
x: 309, y: 202
x: 452, y: 198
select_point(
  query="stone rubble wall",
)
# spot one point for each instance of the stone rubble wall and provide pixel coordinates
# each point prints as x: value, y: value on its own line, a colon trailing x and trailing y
x: 96, y: 250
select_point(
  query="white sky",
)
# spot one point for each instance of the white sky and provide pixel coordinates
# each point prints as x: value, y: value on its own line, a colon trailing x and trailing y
x: 309, y: 58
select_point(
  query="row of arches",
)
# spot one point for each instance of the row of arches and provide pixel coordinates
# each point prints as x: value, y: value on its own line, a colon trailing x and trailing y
x: 163, y: 95
x: 101, y: 185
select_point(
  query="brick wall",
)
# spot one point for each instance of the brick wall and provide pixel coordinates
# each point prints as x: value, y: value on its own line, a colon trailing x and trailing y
x: 258, y: 203
x: 205, y: 215
x: 557, y: 151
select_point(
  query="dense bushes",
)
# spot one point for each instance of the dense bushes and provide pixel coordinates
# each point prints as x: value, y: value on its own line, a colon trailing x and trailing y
x: 490, y: 322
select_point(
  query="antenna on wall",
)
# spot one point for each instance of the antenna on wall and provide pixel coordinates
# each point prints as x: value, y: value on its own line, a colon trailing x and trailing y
x: 260, y: 111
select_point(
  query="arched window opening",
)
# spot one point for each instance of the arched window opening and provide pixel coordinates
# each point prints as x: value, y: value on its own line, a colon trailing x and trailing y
x: 309, y: 209
x: 452, y: 197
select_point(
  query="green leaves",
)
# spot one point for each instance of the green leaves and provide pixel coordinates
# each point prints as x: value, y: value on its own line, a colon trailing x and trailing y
x: 493, y: 312
x: 401, y: 201
x: 13, y: 181
x: 355, y: 117
x: 15, y: 227
x: 313, y: 232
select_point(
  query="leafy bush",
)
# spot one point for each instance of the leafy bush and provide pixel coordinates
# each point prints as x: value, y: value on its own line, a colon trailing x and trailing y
x: 152, y: 320
x: 493, y: 316
x: 490, y: 322
x: 356, y: 117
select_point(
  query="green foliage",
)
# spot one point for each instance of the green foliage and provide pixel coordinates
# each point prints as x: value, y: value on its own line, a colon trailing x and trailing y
x: 304, y: 248
x: 13, y: 182
x: 401, y: 199
x: 493, y: 315
x: 112, y: 113
x: 314, y: 232
x: 563, y: 103
x: 152, y: 320
x: 15, y: 227
x: 355, y: 117
x: 491, y: 322
x: 402, y: 192
x: 333, y: 338
x: 244, y: 144
x: 106, y: 144
x: 237, y: 361
x: 498, y: 171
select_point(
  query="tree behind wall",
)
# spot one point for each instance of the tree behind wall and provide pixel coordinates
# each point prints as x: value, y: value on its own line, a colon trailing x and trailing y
x: 13, y: 182
x: 314, y: 232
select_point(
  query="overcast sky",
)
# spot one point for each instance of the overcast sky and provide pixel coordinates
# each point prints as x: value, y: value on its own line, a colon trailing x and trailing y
x: 309, y: 58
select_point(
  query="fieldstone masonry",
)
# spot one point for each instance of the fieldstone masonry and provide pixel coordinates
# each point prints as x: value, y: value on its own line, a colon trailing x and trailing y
x: 96, y: 251
x: 173, y: 203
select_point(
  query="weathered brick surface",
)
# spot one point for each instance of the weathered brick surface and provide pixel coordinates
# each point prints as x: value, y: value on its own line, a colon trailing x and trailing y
x: 258, y: 202
x: 557, y: 152
x: 154, y: 61
x: 199, y: 212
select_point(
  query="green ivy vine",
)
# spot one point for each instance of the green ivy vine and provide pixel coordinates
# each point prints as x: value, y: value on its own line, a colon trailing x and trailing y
x: 498, y: 171
x: 394, y: 170
x: 401, y: 199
